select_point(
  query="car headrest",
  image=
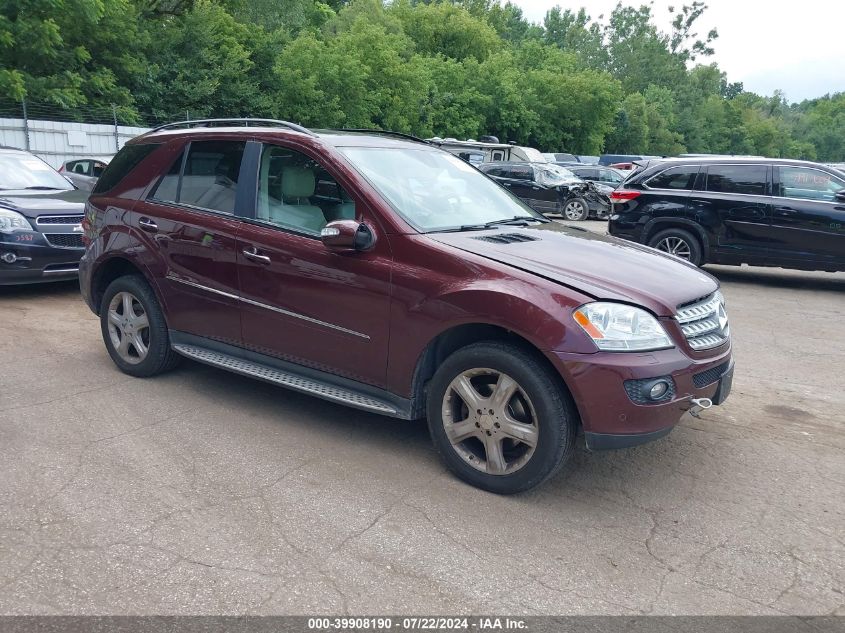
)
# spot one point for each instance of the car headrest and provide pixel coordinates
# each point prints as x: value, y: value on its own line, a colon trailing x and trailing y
x: 297, y: 182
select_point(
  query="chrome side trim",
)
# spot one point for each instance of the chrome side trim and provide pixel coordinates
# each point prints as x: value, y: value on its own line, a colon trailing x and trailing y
x: 258, y: 304
x: 58, y: 271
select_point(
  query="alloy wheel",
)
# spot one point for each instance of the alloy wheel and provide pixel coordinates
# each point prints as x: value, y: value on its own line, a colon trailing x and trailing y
x: 574, y: 210
x: 129, y: 327
x: 490, y: 421
x: 675, y: 246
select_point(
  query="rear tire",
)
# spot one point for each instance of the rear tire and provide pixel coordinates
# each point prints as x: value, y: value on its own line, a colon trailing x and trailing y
x: 134, y: 329
x: 499, y: 418
x: 679, y: 243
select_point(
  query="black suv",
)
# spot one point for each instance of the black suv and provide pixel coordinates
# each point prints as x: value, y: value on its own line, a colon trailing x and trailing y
x: 730, y: 210
x: 40, y: 221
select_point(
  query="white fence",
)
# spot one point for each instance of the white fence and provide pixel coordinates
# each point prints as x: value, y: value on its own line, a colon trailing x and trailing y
x: 59, y: 141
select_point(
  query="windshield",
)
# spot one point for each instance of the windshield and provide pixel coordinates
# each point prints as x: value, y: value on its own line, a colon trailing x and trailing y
x: 23, y: 171
x: 552, y: 175
x: 434, y: 190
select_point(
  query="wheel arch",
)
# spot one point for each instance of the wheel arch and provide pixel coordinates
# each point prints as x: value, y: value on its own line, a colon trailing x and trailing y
x: 456, y: 337
x: 111, y: 269
x: 660, y: 224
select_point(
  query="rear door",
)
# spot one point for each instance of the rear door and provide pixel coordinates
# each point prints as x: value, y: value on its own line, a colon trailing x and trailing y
x: 734, y: 203
x: 189, y: 225
x: 808, y: 221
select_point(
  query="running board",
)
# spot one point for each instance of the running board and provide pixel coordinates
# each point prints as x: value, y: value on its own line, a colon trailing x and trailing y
x: 290, y: 380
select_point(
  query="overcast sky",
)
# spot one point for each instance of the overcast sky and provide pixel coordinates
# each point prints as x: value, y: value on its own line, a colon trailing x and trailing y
x: 797, y: 47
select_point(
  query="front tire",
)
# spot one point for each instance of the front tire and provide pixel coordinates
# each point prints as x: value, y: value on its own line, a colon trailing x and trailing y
x: 499, y: 418
x: 576, y: 210
x: 679, y: 243
x: 134, y: 329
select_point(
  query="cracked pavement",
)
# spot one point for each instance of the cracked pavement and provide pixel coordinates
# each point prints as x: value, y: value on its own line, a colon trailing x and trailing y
x: 202, y: 492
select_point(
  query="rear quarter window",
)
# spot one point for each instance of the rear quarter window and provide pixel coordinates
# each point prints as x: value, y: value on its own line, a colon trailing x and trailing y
x: 124, y: 161
x: 680, y: 178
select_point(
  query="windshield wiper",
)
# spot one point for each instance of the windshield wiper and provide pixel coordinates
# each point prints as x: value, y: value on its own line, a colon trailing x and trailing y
x: 42, y: 188
x: 519, y: 220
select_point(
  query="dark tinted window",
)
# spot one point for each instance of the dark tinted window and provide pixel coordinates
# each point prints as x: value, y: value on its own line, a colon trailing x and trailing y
x: 519, y: 172
x: 210, y: 176
x: 167, y: 188
x: 491, y: 171
x: 744, y: 179
x: 674, y: 178
x: 586, y: 173
x: 124, y: 161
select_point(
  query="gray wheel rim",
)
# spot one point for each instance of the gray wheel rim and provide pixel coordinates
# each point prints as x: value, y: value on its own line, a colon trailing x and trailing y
x: 573, y: 210
x: 676, y: 246
x: 490, y: 421
x: 129, y: 327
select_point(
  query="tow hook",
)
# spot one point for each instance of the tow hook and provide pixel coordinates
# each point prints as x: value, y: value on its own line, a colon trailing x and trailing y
x: 699, y: 405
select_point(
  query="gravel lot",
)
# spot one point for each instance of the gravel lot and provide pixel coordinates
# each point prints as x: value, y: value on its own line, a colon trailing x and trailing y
x: 204, y: 492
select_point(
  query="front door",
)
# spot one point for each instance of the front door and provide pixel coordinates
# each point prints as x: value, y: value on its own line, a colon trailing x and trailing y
x: 808, y: 220
x: 190, y: 225
x: 301, y: 302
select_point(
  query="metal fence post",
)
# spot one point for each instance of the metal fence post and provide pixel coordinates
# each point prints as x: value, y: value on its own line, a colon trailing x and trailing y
x: 25, y: 125
x: 116, y: 135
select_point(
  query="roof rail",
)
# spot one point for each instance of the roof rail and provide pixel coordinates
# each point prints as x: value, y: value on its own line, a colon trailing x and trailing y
x: 224, y: 122
x: 408, y: 137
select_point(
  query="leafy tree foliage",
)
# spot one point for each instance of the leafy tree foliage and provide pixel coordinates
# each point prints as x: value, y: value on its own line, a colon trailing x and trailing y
x: 463, y: 68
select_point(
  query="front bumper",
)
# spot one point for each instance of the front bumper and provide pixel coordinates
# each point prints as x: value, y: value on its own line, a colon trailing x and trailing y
x: 611, y: 419
x: 35, y: 260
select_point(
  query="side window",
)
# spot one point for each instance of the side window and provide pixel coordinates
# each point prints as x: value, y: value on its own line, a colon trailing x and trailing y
x: 97, y: 169
x: 209, y: 179
x: 582, y: 173
x: 498, y: 155
x: 519, y: 172
x: 125, y: 161
x: 743, y: 179
x: 81, y: 167
x: 167, y: 189
x: 295, y: 192
x: 808, y: 184
x: 680, y: 178
x: 493, y: 171
x: 608, y: 175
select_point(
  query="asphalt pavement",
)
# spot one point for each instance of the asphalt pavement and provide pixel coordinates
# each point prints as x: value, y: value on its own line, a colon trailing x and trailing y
x: 202, y: 492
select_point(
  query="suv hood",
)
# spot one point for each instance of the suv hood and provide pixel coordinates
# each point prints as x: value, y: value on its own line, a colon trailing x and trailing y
x: 34, y: 203
x: 597, y: 265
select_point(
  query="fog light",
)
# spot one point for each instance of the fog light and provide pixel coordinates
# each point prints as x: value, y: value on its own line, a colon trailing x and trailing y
x: 9, y: 258
x: 658, y: 390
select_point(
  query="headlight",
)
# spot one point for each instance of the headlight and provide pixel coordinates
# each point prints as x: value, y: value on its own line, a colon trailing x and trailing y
x: 13, y: 221
x: 621, y: 328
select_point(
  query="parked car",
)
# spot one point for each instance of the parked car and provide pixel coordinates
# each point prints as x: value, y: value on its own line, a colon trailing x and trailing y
x: 624, y: 166
x: 549, y: 188
x: 764, y: 212
x: 561, y: 158
x: 588, y: 160
x: 611, y: 159
x: 594, y: 173
x: 390, y: 276
x: 83, y: 172
x: 40, y: 216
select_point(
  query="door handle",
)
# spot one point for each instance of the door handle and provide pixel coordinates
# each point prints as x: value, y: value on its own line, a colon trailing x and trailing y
x: 786, y: 210
x: 148, y: 225
x: 252, y: 254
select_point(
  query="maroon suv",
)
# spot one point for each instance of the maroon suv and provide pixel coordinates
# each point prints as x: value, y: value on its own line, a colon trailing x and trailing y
x: 380, y: 272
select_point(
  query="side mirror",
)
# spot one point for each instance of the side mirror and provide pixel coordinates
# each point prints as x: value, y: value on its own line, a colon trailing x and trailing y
x: 347, y: 235
x: 840, y: 195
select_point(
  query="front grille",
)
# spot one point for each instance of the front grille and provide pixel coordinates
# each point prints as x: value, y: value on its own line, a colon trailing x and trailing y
x: 506, y: 238
x: 705, y: 323
x: 64, y: 240
x: 59, y: 219
x: 709, y: 376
